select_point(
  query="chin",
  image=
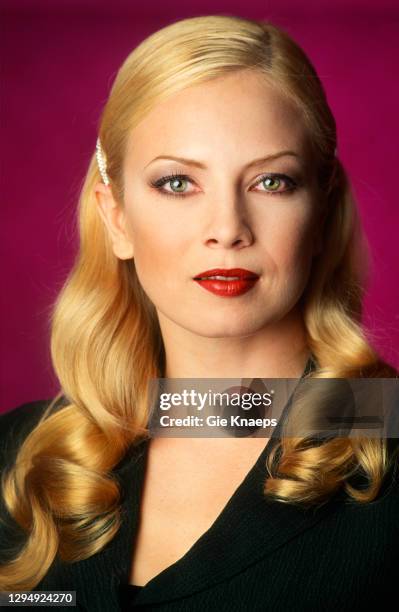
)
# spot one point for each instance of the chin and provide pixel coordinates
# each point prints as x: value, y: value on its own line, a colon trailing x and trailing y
x: 231, y: 329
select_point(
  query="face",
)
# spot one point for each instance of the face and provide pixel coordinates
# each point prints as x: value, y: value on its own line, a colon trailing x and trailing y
x: 224, y: 210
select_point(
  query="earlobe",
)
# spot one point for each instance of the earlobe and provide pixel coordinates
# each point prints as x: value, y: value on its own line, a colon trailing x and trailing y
x: 113, y: 217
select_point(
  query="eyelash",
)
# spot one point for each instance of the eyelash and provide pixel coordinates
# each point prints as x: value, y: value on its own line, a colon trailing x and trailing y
x: 165, y: 179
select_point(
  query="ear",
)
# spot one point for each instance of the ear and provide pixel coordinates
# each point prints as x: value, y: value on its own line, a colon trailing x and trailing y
x: 113, y: 217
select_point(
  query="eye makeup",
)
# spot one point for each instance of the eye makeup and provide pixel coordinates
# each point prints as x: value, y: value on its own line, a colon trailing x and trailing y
x: 274, y: 179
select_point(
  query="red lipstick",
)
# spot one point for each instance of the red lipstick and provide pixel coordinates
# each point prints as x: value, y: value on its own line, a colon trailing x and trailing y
x: 230, y: 282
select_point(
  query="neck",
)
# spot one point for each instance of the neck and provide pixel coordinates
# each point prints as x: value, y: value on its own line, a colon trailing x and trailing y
x: 279, y: 350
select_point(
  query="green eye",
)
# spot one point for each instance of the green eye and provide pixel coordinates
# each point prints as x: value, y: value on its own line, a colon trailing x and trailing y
x: 277, y: 184
x: 178, y: 184
x: 271, y: 183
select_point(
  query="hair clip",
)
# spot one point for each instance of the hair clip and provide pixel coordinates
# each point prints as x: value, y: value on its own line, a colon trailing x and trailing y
x: 102, y: 165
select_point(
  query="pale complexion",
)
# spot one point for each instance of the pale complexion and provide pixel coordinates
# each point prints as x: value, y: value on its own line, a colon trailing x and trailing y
x: 227, y: 219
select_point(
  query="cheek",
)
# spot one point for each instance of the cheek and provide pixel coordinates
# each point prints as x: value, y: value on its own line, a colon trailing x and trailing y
x: 159, y: 249
x: 290, y: 241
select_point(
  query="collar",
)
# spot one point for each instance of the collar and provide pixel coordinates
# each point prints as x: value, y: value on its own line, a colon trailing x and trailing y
x: 249, y: 527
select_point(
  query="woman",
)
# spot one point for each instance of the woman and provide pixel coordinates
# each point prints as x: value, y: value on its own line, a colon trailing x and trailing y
x: 216, y: 151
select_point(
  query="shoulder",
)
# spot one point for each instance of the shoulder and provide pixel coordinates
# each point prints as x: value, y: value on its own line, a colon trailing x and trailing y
x: 16, y: 424
x: 26, y: 412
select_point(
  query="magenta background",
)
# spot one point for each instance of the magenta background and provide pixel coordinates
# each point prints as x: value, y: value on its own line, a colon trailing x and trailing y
x: 59, y: 58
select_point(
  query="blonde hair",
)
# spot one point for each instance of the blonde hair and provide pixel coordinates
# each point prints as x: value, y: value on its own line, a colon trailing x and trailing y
x: 106, y: 342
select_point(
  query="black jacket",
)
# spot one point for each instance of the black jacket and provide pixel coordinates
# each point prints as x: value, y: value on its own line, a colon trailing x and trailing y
x: 257, y: 555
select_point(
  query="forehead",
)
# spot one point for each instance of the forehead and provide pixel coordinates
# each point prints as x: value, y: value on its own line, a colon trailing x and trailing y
x: 236, y: 115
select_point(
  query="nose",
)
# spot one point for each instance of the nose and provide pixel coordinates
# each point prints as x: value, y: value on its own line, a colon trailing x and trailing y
x: 228, y: 226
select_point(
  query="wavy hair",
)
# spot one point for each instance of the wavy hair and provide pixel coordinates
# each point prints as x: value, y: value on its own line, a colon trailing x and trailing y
x: 106, y: 342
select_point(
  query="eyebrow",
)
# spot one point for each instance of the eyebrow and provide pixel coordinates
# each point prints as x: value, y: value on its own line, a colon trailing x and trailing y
x: 198, y: 164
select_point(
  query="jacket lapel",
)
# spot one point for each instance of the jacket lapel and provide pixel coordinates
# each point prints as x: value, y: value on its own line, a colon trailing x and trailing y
x: 249, y: 528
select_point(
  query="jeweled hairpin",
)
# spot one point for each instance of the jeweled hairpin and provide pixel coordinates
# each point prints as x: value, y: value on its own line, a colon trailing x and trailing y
x: 102, y: 165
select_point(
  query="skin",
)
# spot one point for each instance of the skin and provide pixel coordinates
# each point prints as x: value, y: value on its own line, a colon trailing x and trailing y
x: 227, y: 219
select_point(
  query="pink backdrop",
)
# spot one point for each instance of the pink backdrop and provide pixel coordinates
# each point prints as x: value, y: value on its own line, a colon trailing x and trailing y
x: 59, y: 60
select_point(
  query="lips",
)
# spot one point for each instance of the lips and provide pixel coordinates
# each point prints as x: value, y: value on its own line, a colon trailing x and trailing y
x: 227, y: 282
x: 230, y: 273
